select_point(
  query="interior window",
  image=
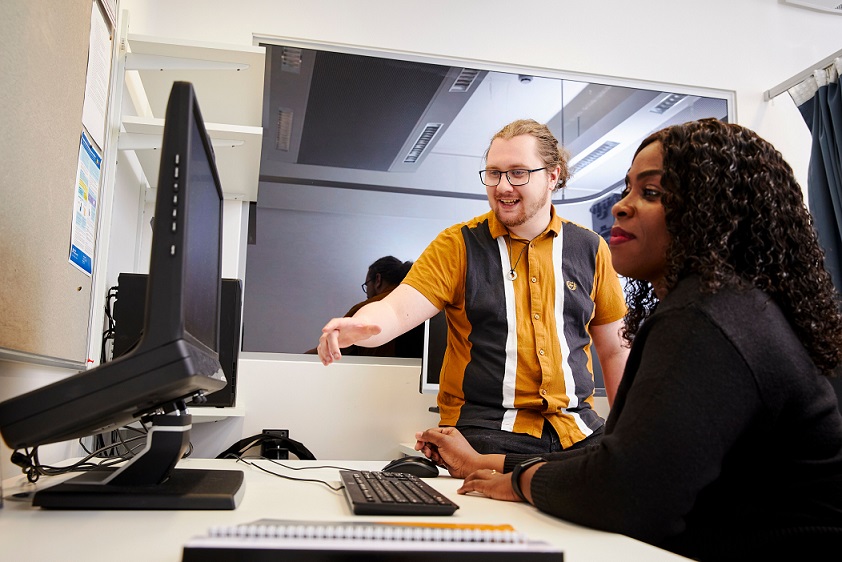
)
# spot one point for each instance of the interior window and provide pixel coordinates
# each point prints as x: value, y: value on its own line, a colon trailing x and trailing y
x: 369, y: 155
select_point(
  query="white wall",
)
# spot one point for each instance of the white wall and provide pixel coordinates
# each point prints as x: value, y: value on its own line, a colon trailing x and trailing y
x: 17, y: 378
x: 343, y: 412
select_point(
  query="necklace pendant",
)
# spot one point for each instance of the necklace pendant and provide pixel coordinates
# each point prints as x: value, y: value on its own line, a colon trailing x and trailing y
x: 512, y: 275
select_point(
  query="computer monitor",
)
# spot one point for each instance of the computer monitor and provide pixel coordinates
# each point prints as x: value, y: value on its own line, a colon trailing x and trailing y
x: 435, y: 342
x: 176, y: 360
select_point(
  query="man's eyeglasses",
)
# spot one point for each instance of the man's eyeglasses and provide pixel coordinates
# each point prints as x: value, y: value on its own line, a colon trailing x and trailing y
x: 516, y: 177
x: 365, y: 285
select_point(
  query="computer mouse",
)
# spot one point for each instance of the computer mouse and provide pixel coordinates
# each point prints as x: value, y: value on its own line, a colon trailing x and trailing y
x: 421, y: 467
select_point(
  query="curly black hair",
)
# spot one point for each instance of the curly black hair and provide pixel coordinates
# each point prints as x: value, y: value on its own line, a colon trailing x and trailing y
x: 736, y: 217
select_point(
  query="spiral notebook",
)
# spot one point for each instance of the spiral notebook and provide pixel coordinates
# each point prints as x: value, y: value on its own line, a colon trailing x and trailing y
x: 352, y: 540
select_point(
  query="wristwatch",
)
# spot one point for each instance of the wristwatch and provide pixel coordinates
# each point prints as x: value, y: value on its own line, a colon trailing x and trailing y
x: 516, y: 475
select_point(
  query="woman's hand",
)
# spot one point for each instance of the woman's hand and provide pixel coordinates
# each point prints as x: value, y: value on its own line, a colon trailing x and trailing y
x: 490, y: 483
x: 449, y: 448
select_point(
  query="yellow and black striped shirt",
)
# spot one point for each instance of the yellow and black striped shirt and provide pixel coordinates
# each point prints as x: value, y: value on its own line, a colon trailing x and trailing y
x: 519, y: 351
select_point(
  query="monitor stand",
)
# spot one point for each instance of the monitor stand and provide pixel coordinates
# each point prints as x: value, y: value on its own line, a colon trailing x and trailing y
x: 149, y: 480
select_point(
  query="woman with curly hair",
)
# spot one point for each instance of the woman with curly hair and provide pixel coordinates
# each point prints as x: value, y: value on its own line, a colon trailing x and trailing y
x: 725, y: 439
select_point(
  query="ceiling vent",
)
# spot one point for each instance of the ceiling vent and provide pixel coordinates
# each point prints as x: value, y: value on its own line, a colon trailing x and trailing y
x: 291, y: 60
x: 386, y: 115
x: 667, y: 103
x: 830, y: 6
x: 284, y: 138
x: 465, y: 80
x: 423, y: 141
x: 595, y: 154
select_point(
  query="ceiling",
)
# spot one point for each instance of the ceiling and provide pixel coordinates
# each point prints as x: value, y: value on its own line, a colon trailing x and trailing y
x: 370, y: 123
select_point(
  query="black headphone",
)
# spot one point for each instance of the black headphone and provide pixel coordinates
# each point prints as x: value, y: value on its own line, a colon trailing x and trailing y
x: 277, y: 441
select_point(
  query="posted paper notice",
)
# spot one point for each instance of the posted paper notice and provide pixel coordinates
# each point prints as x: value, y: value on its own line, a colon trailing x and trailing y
x: 83, y: 231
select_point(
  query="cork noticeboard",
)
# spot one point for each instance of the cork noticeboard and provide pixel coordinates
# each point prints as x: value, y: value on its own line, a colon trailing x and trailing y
x: 44, y: 300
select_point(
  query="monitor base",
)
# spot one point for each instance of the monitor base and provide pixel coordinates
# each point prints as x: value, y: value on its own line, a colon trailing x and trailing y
x: 185, y: 489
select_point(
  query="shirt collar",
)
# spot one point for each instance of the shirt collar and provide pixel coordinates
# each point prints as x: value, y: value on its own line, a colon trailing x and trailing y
x: 498, y: 229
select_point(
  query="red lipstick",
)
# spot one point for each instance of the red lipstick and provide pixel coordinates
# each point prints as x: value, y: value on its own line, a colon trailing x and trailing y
x: 619, y: 236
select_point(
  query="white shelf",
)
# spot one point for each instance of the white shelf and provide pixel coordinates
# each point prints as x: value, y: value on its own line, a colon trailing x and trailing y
x: 225, y: 96
x: 206, y: 414
x: 228, y: 81
x: 237, y: 150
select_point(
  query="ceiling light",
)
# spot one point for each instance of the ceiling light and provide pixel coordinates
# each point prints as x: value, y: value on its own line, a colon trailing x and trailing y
x: 595, y: 154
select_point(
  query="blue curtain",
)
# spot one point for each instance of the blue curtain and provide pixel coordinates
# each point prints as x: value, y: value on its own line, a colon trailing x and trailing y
x: 820, y: 102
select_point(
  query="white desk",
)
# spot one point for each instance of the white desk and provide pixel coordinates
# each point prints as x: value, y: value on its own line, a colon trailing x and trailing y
x: 35, y: 534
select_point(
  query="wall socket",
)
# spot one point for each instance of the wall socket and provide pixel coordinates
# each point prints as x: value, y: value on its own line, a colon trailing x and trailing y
x: 275, y: 448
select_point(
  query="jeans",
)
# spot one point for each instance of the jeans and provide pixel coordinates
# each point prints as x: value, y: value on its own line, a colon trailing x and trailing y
x: 497, y: 441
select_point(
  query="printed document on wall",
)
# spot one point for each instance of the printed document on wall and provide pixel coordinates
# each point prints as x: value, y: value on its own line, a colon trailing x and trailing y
x: 83, y: 231
x: 99, y: 73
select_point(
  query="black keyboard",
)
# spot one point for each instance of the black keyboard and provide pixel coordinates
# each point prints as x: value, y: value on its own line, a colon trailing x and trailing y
x: 392, y: 493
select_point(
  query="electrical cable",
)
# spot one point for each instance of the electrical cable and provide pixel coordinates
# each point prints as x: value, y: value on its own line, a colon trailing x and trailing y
x: 316, y: 480
x: 109, y: 332
x: 31, y: 465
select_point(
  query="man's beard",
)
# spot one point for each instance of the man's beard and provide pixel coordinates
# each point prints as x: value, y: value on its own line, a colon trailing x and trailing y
x: 528, y: 212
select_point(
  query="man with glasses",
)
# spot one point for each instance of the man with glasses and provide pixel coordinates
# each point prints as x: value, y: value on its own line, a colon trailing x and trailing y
x: 527, y: 296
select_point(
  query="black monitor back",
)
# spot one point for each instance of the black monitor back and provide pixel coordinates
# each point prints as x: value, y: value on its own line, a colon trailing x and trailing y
x: 177, y: 357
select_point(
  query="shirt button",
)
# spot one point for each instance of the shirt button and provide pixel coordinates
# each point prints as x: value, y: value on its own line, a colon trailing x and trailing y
x: 534, y: 279
x: 540, y: 352
x: 544, y: 391
x: 537, y: 316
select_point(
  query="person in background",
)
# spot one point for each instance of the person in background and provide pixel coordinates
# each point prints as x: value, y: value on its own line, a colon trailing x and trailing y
x: 725, y: 438
x: 527, y: 296
x: 382, y: 277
